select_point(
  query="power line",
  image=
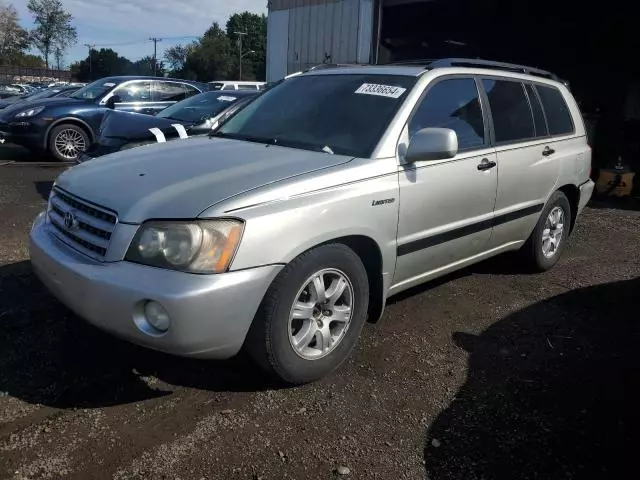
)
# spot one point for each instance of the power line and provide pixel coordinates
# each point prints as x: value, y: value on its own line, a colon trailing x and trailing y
x: 144, y: 40
x: 122, y: 44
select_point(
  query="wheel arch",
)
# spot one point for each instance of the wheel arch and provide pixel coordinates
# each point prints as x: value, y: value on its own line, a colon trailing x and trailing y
x: 572, y: 193
x: 371, y: 256
x: 72, y: 120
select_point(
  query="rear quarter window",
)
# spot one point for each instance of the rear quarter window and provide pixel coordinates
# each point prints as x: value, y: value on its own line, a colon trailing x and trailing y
x: 556, y: 110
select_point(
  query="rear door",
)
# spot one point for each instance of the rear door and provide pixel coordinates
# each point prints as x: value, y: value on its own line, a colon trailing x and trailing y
x: 528, y: 169
x: 446, y: 206
x: 165, y: 93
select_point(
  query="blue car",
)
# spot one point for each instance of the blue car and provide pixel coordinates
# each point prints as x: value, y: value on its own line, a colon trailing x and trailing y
x: 65, y: 127
x: 38, y: 95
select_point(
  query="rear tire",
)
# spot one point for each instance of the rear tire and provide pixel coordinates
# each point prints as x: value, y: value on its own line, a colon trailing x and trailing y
x: 67, y: 142
x: 547, y: 241
x: 329, y: 288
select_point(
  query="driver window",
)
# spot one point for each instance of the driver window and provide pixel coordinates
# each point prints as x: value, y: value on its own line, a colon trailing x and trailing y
x: 453, y: 104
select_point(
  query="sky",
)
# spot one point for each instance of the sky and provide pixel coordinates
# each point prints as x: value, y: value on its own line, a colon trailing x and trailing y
x: 126, y: 25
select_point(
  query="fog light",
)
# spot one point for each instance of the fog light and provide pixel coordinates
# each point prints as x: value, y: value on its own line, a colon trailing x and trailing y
x: 157, y: 316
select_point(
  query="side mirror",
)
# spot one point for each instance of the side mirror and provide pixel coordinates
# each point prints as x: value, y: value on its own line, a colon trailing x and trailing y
x: 111, y: 103
x: 432, y: 144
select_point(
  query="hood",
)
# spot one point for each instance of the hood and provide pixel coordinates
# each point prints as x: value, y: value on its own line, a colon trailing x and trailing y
x: 132, y: 126
x: 5, y: 102
x: 182, y: 179
x: 55, y: 101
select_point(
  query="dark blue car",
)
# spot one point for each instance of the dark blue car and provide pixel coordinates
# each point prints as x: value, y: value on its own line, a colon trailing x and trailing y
x: 65, y: 127
x: 192, y: 117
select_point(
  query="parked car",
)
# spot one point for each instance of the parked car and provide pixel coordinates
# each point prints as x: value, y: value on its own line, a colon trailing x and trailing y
x: 194, y: 116
x: 311, y: 206
x: 236, y: 85
x: 7, y: 91
x: 65, y: 127
x: 37, y: 95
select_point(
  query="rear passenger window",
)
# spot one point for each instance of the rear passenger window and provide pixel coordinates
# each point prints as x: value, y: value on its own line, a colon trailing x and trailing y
x: 558, y: 115
x: 538, y: 114
x: 190, y: 90
x: 453, y: 104
x: 512, y: 118
x: 167, y: 92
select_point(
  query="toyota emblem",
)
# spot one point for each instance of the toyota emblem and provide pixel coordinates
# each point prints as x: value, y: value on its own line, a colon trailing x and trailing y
x: 70, y: 220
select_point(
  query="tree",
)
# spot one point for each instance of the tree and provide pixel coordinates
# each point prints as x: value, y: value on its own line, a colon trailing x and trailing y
x: 28, y: 60
x: 177, y: 56
x: 102, y: 63
x: 144, y: 66
x: 255, y: 27
x: 210, y: 58
x: 14, y: 39
x: 53, y: 32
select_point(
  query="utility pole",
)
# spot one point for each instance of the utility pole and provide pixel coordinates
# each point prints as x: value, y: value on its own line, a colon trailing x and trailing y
x: 155, y: 60
x: 90, y: 47
x: 240, y: 35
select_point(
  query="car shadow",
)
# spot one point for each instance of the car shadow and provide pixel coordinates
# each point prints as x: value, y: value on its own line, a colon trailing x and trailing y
x: 43, y: 188
x: 552, y: 393
x: 49, y: 356
x: 15, y: 153
x: 507, y: 263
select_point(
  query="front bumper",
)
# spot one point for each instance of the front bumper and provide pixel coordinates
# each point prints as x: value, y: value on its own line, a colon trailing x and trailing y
x: 586, y: 190
x: 26, y: 134
x: 210, y: 314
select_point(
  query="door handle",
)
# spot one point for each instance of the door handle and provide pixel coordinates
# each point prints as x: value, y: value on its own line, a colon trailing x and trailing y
x: 485, y: 164
x: 548, y: 151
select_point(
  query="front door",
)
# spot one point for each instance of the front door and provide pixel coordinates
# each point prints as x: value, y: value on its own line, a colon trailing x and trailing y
x: 446, y: 206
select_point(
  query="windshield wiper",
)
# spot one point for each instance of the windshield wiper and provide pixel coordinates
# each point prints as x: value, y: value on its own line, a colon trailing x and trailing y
x: 247, y: 138
x: 327, y: 149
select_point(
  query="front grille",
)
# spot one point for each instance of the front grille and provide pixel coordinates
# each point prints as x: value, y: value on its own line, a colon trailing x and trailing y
x: 88, y: 227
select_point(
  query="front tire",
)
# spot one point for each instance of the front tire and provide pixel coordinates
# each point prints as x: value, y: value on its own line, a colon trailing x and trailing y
x: 547, y: 241
x: 312, y: 315
x: 67, y: 142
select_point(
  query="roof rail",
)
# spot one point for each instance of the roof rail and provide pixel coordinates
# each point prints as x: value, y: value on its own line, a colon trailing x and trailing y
x: 419, y: 62
x: 322, y: 66
x: 476, y: 62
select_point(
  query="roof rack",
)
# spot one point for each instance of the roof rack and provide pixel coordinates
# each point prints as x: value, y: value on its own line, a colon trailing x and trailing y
x: 476, y: 62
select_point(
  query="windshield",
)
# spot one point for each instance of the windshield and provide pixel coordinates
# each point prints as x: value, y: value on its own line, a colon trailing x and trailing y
x: 199, y: 107
x: 95, y: 90
x: 342, y: 114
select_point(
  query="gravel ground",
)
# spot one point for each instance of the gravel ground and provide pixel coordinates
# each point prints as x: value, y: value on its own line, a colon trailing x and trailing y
x: 486, y: 374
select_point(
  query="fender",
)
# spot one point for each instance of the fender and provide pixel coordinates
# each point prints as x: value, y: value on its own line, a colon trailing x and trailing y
x: 63, y: 120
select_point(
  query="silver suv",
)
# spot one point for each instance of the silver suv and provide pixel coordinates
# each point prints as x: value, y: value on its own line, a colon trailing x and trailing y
x: 327, y: 194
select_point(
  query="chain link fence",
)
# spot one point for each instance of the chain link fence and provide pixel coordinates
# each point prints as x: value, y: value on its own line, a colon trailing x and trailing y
x: 10, y: 74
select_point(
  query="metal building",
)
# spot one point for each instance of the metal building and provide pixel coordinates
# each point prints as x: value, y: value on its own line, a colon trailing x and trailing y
x: 303, y: 33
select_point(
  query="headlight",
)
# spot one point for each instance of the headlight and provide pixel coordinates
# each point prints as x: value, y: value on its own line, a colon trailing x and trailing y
x: 30, y: 113
x: 205, y: 246
x: 127, y: 146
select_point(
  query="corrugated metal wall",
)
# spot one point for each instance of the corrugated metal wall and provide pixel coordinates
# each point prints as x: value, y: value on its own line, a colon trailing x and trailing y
x: 330, y: 31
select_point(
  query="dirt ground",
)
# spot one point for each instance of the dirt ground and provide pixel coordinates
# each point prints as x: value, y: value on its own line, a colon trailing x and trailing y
x: 485, y: 374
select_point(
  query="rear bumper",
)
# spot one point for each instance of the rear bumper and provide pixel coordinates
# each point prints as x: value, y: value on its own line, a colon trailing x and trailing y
x: 210, y: 314
x: 586, y: 190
